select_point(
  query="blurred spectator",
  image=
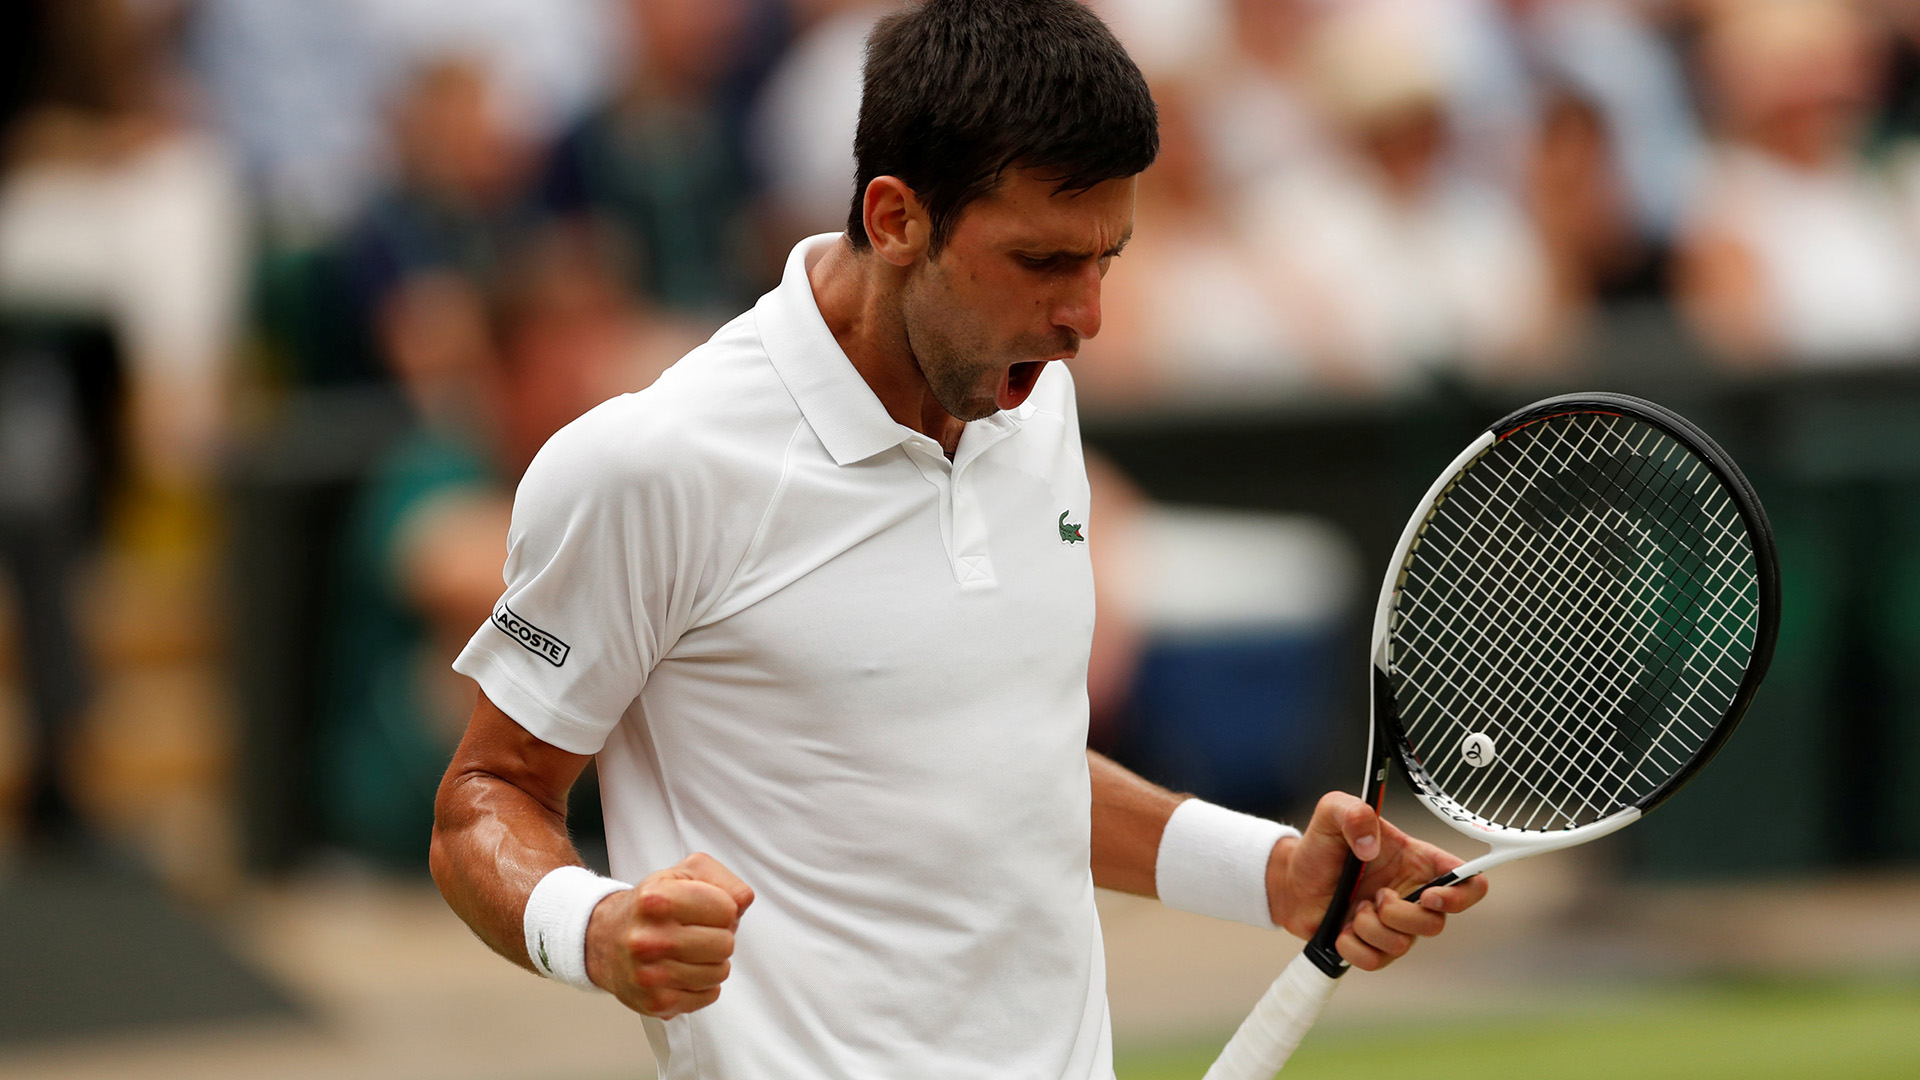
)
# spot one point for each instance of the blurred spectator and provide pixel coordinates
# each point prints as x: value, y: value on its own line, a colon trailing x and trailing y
x: 1189, y: 309
x: 301, y: 87
x: 461, y: 192
x: 1255, y: 106
x: 1899, y: 114
x: 1583, y: 217
x: 802, y: 126
x: 492, y: 376
x: 298, y: 86
x: 120, y: 232
x: 113, y: 207
x: 1406, y: 263
x: 550, y: 60
x: 1607, y: 54
x: 1485, y: 81
x: 47, y: 469
x: 571, y: 337
x: 1168, y: 38
x: 660, y: 163
x: 420, y: 565
x: 1797, y: 248
x: 1503, y: 60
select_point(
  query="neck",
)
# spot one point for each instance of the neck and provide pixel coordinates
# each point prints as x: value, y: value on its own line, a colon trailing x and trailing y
x: 859, y: 297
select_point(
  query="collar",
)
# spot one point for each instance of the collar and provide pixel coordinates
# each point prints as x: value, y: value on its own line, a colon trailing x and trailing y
x: 837, y: 403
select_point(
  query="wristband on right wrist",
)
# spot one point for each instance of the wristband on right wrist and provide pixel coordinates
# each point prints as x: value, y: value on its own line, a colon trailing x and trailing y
x: 555, y: 923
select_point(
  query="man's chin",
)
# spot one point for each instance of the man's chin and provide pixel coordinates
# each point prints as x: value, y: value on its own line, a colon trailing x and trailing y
x: 975, y: 403
x: 1005, y: 388
x: 976, y: 409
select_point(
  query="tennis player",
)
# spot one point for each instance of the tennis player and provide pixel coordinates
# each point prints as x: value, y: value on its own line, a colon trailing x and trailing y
x: 819, y: 603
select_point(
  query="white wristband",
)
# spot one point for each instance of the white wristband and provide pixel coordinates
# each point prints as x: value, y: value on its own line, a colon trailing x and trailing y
x: 1213, y: 861
x: 558, y: 910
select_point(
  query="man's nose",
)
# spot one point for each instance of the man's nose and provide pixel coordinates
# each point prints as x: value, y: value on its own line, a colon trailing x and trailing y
x: 1078, y: 308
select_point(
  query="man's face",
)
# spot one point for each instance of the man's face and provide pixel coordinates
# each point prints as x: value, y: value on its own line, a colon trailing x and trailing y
x: 1016, y: 286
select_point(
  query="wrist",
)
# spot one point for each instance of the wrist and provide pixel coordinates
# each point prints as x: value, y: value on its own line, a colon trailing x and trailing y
x: 605, y: 941
x: 1277, y: 864
x: 1215, y: 861
x: 558, y: 913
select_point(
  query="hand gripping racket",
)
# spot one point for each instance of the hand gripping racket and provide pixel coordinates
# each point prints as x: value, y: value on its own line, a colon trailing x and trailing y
x: 1573, y: 622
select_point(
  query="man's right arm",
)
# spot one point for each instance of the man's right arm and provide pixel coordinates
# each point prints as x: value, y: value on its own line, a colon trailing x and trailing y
x: 500, y: 825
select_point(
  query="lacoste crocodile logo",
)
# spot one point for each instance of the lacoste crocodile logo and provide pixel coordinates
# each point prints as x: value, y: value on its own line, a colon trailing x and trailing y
x: 1069, y: 532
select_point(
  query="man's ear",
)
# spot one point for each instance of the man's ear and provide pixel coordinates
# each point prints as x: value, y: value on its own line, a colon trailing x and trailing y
x: 897, y: 225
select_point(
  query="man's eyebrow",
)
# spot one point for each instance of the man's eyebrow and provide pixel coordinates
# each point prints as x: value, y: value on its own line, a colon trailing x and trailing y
x: 1081, y: 253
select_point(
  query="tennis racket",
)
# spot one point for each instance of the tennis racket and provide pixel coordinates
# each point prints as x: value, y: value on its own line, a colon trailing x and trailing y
x: 1574, y: 621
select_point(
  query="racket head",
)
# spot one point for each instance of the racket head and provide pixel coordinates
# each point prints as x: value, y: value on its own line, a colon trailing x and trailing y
x: 1575, y: 621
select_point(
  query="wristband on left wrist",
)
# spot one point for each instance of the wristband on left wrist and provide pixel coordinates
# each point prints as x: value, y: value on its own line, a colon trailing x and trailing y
x: 1213, y: 861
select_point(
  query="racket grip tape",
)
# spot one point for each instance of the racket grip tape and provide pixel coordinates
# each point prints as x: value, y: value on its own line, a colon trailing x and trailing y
x: 1283, y: 1017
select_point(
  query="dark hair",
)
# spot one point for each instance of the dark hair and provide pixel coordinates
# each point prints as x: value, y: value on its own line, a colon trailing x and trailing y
x: 958, y: 91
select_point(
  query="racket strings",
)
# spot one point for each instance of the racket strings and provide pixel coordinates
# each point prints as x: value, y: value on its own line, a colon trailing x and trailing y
x: 1730, y: 569
x: 1694, y: 598
x: 1567, y: 773
x: 1585, y: 775
x: 1585, y: 595
x: 1584, y: 778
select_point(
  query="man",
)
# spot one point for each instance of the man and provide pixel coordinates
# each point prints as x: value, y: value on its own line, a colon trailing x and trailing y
x: 818, y: 602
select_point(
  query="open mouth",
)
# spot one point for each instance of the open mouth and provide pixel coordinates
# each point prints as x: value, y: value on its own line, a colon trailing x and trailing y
x: 1019, y: 382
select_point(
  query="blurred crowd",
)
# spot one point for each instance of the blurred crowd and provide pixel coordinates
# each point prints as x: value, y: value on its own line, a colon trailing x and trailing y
x: 1365, y: 193
x: 505, y: 211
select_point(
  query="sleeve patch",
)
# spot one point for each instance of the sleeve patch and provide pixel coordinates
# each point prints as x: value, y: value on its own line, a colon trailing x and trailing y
x: 531, y: 638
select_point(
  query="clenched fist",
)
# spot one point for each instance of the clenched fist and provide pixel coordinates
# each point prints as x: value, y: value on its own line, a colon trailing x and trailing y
x: 662, y: 947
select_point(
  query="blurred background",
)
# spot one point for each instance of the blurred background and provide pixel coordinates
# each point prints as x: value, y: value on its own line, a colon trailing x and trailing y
x: 291, y: 292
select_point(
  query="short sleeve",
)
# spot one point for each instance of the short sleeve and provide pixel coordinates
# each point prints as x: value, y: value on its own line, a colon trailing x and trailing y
x: 600, y: 581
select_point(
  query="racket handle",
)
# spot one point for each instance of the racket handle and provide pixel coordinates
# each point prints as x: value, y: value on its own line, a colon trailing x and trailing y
x: 1270, y: 1033
x: 1320, y: 947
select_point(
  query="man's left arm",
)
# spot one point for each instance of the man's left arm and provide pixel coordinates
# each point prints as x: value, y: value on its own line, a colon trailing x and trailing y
x: 1130, y: 817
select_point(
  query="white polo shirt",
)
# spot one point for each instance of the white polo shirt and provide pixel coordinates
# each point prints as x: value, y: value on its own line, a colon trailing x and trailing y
x: 800, y: 639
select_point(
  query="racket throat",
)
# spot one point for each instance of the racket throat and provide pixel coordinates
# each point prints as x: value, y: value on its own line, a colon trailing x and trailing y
x: 1522, y: 845
x: 1451, y: 877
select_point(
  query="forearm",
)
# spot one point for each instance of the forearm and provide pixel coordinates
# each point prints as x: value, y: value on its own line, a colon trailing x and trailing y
x: 500, y: 828
x: 1129, y: 814
x: 500, y: 825
x: 492, y: 843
